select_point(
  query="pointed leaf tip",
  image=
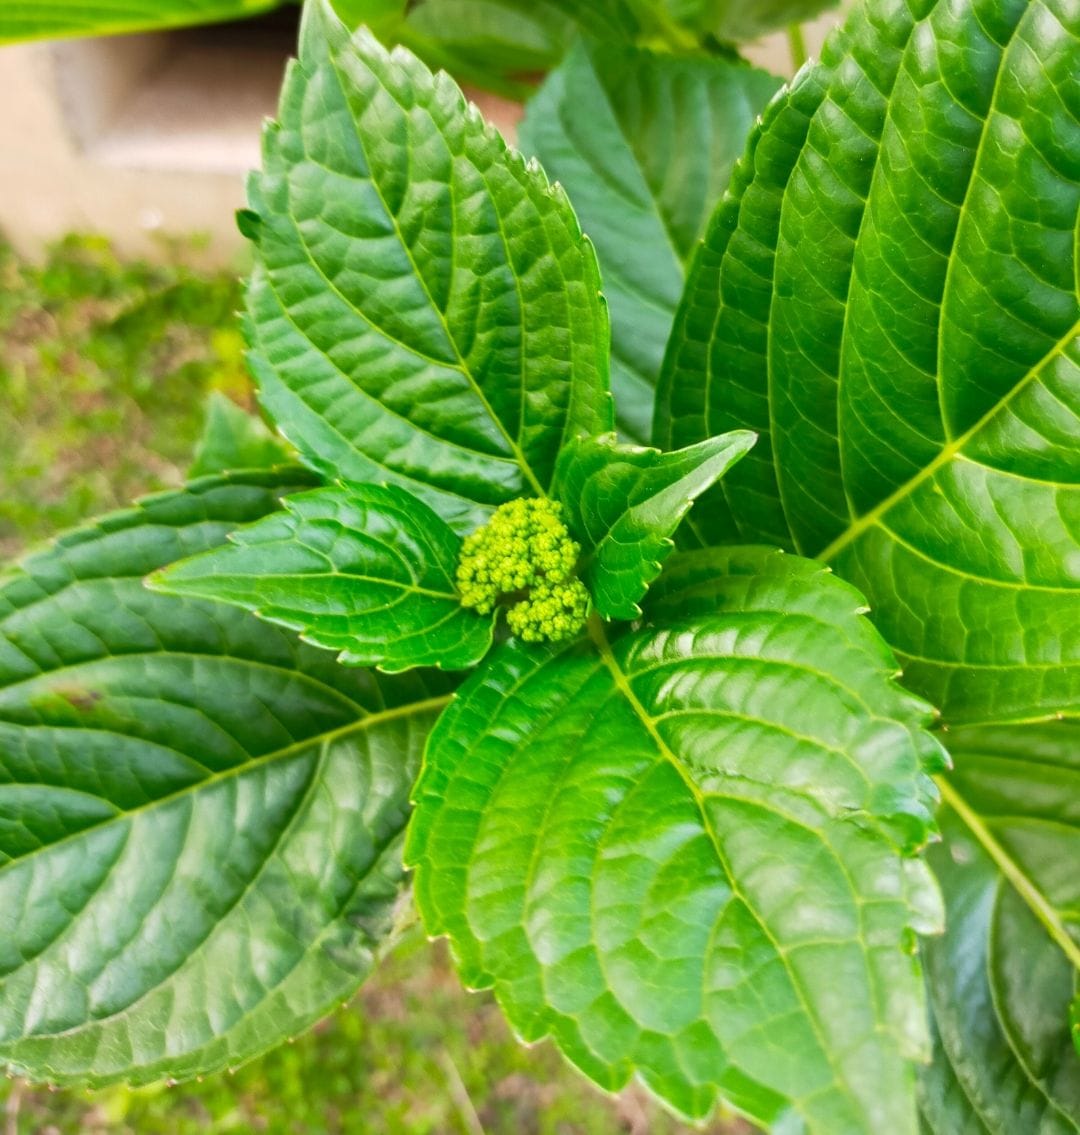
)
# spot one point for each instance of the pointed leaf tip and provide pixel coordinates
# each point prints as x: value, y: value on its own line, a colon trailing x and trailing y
x: 624, y: 503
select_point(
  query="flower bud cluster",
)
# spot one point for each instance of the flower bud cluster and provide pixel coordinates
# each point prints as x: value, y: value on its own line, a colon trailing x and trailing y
x: 524, y: 556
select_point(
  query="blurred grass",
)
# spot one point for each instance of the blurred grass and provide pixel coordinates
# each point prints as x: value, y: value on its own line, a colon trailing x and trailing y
x: 104, y: 369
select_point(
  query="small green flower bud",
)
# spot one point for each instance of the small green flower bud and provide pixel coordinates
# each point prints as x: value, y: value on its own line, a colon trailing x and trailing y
x: 524, y: 557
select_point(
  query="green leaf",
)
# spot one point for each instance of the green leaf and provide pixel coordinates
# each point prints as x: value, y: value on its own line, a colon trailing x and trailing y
x: 501, y: 45
x: 623, y: 504
x: 740, y: 20
x: 1003, y: 978
x: 234, y: 439
x: 366, y: 570
x: 424, y: 309
x: 644, y: 143
x: 200, y: 818
x: 889, y: 297
x: 684, y: 854
x: 381, y: 16
x: 498, y: 45
x: 51, y: 19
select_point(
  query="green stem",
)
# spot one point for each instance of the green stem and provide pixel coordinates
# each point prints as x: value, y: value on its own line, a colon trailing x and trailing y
x: 796, y: 45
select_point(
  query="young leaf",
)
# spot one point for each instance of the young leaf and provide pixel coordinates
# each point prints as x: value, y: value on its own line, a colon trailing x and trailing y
x: 366, y: 570
x: 424, y: 309
x: 1003, y: 978
x: 200, y: 818
x: 889, y: 297
x: 234, y: 439
x: 685, y: 854
x: 623, y: 504
x: 644, y: 144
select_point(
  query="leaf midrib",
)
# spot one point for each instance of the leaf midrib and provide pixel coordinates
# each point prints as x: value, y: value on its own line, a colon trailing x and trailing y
x: 948, y: 452
x: 622, y: 683
x: 678, y: 258
x: 1008, y: 1029
x: 301, y: 577
x: 1035, y: 900
x: 513, y: 444
x: 325, y: 738
x: 56, y: 26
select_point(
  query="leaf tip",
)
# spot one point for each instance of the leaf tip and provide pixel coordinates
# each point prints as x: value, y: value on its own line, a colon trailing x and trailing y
x: 321, y: 30
x: 249, y: 222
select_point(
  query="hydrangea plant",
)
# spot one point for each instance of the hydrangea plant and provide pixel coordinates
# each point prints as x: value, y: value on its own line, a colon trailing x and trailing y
x: 745, y: 763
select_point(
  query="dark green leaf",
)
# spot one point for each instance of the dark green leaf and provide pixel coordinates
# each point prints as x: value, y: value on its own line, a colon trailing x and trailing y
x: 200, y: 818
x: 504, y: 45
x: 366, y: 570
x: 685, y: 854
x: 1002, y: 979
x: 644, y: 144
x: 889, y: 296
x: 500, y: 45
x: 234, y: 439
x: 424, y: 309
x: 624, y: 503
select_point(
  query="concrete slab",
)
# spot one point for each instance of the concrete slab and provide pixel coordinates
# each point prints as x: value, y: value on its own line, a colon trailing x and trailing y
x: 136, y: 136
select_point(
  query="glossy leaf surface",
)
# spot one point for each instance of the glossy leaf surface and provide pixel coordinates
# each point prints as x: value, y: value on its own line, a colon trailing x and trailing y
x: 50, y: 19
x: 644, y: 144
x: 200, y: 818
x: 366, y: 570
x: 424, y: 309
x: 623, y: 504
x: 889, y: 296
x: 234, y: 439
x: 684, y: 854
x: 1002, y: 979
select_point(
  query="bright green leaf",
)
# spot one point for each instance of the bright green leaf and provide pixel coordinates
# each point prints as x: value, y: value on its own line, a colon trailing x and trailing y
x: 424, y: 309
x: 366, y: 570
x: 200, y: 818
x: 381, y: 16
x: 685, y: 854
x: 889, y: 297
x: 644, y: 144
x: 234, y: 439
x: 1003, y: 978
x: 50, y: 19
x: 623, y: 504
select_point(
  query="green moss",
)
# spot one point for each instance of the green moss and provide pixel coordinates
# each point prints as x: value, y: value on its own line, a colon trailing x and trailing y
x: 104, y: 369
